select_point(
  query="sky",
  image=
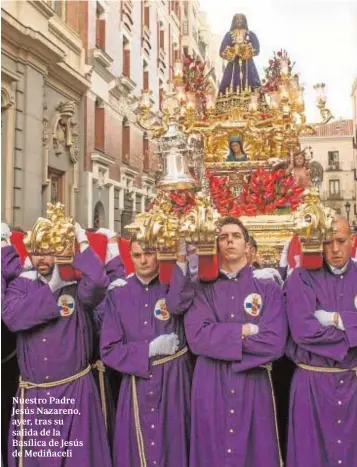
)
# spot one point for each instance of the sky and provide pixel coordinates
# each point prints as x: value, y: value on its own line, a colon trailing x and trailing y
x: 319, y: 35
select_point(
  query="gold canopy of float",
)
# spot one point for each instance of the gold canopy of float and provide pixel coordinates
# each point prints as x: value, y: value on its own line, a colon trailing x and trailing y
x: 193, y: 133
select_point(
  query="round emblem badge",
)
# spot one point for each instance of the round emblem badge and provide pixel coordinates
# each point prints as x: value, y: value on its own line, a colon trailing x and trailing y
x: 160, y: 310
x: 253, y: 304
x: 65, y: 305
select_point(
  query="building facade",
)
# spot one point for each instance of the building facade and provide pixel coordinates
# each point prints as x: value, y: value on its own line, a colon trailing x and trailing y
x: 354, y: 107
x: 43, y: 81
x: 72, y: 76
x: 332, y: 147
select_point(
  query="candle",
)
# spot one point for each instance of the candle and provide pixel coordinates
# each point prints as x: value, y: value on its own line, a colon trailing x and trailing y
x: 178, y: 70
x: 145, y: 99
x: 209, y: 101
x: 190, y: 100
x: 274, y: 100
x: 253, y: 104
x: 284, y: 66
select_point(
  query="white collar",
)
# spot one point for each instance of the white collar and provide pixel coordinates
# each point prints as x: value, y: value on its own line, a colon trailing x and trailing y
x: 338, y: 271
x: 144, y: 282
x: 230, y: 275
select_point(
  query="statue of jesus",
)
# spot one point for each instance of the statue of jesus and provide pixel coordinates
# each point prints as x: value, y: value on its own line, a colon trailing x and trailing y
x: 239, y: 46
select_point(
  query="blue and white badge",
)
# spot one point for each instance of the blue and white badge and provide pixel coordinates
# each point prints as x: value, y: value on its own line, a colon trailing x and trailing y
x: 66, y: 305
x: 160, y: 310
x: 253, y: 304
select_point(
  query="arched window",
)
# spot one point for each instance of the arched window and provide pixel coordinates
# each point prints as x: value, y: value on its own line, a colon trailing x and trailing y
x: 99, y: 215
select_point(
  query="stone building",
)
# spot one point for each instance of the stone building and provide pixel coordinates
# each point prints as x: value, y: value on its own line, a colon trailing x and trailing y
x: 332, y: 147
x: 72, y: 75
x: 43, y: 82
x: 354, y: 107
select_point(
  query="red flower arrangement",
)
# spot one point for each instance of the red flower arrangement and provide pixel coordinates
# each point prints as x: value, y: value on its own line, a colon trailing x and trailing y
x: 272, y: 73
x: 195, y: 79
x: 265, y: 192
x: 179, y: 202
x: 182, y: 201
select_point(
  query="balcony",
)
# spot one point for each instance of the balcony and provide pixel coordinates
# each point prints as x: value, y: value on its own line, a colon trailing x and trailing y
x: 333, y: 167
x: 102, y: 58
x: 184, y: 28
x: 146, y: 45
x: 335, y: 196
x: 127, y: 15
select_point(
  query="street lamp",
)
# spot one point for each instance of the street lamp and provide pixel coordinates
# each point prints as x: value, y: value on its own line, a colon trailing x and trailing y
x: 348, y: 209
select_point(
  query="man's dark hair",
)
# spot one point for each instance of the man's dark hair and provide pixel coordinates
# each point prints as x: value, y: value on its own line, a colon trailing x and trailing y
x: 253, y: 243
x: 233, y: 220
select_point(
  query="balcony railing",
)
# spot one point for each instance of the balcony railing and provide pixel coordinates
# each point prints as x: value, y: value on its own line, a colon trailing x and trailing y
x: 333, y: 167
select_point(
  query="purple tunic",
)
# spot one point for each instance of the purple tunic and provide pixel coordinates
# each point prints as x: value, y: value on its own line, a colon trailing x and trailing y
x: 233, y: 420
x: 131, y: 322
x: 233, y: 68
x: 323, y: 406
x: 10, y: 268
x: 53, y: 344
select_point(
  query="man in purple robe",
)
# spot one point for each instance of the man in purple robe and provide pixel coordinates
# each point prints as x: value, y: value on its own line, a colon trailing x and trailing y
x: 322, y: 313
x: 240, y: 71
x: 237, y: 327
x: 143, y: 337
x: 63, y: 424
x: 10, y: 268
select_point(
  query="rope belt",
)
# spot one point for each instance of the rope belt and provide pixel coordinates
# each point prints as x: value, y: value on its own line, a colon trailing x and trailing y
x: 321, y: 369
x: 139, y: 434
x: 269, y: 368
x: 99, y: 366
x: 24, y: 385
x: 9, y: 357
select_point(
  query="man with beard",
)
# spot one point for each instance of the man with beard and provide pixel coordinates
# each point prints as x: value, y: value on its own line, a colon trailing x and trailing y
x: 142, y: 336
x: 54, y: 347
x: 322, y: 313
x: 237, y: 327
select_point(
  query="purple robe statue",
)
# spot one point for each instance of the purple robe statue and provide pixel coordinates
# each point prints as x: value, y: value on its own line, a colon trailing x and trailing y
x: 323, y: 398
x: 239, y: 73
x: 153, y: 414
x: 233, y: 411
x: 55, y: 343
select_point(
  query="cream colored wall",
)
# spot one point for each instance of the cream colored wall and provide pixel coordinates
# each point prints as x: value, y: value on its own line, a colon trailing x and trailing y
x: 320, y: 148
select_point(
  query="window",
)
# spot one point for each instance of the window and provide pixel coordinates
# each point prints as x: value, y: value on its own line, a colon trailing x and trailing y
x: 147, y: 17
x: 100, y: 29
x: 59, y: 7
x: 99, y: 130
x: 126, y: 58
x: 146, y: 80
x: 333, y: 158
x: 162, y: 39
x: 126, y: 140
x: 56, y: 185
x: 334, y: 187
x: 146, y: 152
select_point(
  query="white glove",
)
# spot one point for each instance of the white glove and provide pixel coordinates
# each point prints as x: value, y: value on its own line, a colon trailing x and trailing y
x: 326, y: 318
x: 284, y: 255
x: 107, y: 232
x: 81, y: 237
x: 268, y: 274
x: 56, y: 283
x: 166, y: 344
x: 5, y: 233
x: 254, y: 329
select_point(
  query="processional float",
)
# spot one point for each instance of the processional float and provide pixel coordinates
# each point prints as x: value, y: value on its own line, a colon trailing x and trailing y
x: 236, y: 154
